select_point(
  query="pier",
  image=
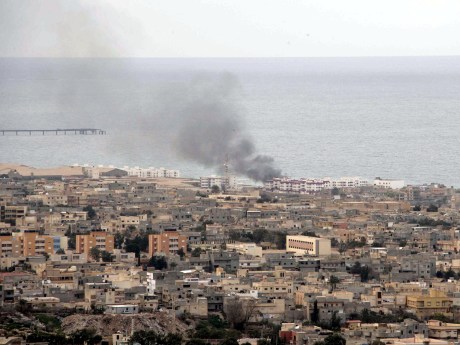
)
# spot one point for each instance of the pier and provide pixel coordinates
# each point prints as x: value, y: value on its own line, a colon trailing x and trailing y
x: 72, y: 131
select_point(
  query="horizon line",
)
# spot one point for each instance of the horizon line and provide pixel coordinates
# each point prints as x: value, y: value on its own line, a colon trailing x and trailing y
x: 230, y: 57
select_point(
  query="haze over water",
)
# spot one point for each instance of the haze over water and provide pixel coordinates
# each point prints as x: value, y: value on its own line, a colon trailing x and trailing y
x: 388, y: 117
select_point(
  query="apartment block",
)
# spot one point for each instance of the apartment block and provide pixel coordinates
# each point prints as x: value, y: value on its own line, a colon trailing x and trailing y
x: 10, y: 213
x: 95, y: 239
x: 30, y: 244
x: 168, y: 242
x: 306, y: 245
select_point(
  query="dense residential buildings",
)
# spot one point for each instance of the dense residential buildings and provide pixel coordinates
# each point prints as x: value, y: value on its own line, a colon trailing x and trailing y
x: 300, y: 259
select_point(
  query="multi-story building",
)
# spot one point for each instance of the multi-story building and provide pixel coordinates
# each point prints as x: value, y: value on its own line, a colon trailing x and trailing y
x: 306, y: 245
x: 10, y: 213
x: 425, y: 306
x: 95, y: 239
x: 312, y: 185
x: 168, y: 242
x: 223, y: 182
x: 151, y: 172
x: 30, y: 243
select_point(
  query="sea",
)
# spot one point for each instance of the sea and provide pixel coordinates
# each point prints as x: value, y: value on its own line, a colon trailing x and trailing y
x: 392, y: 117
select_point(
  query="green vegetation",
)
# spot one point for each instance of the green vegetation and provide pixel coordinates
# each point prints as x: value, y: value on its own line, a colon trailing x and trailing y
x: 369, y: 316
x: 333, y: 281
x: 365, y: 272
x: 214, y: 328
x: 196, y: 252
x: 153, y: 338
x: 158, y: 262
x: 85, y: 336
x: 51, y: 322
x: 333, y: 339
x: 95, y: 253
x: 91, y: 212
x: 50, y: 338
x: 432, y: 208
x: 106, y: 256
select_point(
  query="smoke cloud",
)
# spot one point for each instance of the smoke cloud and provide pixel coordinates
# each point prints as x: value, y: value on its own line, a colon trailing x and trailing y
x: 210, y: 130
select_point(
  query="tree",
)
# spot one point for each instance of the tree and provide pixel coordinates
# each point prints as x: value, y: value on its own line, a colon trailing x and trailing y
x: 432, y: 208
x: 230, y: 341
x: 152, y: 338
x: 335, y: 191
x: 158, y: 262
x: 215, y: 189
x: 60, y: 251
x: 364, y: 274
x: 118, y: 240
x: 335, y: 339
x: 95, y: 253
x: 315, y: 313
x: 71, y: 239
x: 49, y: 338
x: 195, y: 341
x: 417, y: 208
x: 441, y: 317
x: 335, y: 322
x: 90, y: 211
x: 356, y: 268
x: 309, y: 233
x: 181, y: 253
x: 333, y: 281
x: 137, y: 244
x: 106, y: 256
x: 85, y: 335
x: 196, y: 252
x: 280, y: 240
x: 238, y: 312
x: 402, y: 243
x: 260, y: 235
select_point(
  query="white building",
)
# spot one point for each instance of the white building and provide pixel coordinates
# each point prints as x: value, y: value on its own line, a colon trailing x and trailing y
x: 312, y: 185
x: 151, y: 284
x: 346, y: 182
x: 151, y: 172
x: 389, y: 184
x: 223, y: 182
x: 306, y: 245
x: 121, y: 309
x: 296, y: 185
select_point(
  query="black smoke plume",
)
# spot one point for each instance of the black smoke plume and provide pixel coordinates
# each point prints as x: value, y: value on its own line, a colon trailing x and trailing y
x: 211, y: 129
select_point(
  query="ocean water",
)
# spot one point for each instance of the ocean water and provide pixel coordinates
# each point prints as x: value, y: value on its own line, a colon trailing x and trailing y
x: 388, y: 117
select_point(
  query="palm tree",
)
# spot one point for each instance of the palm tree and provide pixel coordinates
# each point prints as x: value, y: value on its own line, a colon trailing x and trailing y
x: 333, y: 281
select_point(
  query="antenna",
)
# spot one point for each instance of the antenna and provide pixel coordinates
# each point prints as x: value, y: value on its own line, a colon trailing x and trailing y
x: 226, y: 166
x: 226, y: 181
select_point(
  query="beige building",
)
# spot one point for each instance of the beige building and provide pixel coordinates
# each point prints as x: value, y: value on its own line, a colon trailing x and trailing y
x: 306, y: 245
x: 425, y: 306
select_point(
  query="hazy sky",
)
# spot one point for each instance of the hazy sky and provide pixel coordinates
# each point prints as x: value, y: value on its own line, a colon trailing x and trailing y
x: 199, y: 28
